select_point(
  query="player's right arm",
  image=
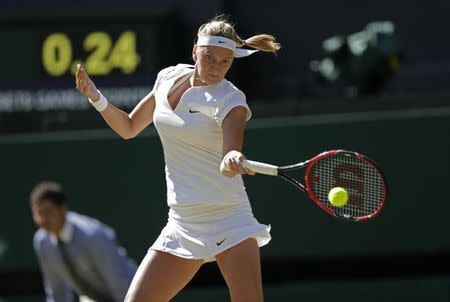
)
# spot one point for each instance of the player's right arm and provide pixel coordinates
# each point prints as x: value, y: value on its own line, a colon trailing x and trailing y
x: 126, y: 125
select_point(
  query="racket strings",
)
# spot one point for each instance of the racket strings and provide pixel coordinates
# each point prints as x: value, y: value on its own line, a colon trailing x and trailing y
x: 362, y: 181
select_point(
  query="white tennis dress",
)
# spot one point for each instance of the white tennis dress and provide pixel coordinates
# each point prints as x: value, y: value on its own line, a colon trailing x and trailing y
x: 209, y: 213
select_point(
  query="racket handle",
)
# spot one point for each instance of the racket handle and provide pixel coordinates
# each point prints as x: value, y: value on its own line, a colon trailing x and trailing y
x: 259, y: 167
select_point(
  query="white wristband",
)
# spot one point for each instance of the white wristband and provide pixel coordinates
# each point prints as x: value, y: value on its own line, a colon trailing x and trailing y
x: 101, y: 103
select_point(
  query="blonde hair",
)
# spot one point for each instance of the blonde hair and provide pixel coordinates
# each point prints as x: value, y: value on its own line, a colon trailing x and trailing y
x: 220, y: 26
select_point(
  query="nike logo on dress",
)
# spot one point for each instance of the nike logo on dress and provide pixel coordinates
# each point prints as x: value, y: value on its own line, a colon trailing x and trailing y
x: 222, y: 41
x: 220, y: 242
x: 193, y: 111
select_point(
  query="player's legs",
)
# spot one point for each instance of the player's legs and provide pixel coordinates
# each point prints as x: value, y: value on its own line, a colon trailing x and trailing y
x: 241, y: 268
x: 160, y: 277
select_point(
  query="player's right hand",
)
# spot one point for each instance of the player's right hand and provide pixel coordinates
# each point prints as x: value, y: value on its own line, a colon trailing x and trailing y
x: 85, y: 85
x: 231, y: 164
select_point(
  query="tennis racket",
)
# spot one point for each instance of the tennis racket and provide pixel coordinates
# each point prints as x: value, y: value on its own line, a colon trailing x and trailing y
x: 356, y: 173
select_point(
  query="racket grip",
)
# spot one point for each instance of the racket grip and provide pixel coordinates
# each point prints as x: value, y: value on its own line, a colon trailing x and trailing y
x: 259, y: 167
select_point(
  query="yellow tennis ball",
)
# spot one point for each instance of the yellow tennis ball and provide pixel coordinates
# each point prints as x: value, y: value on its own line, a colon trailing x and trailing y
x: 338, y: 196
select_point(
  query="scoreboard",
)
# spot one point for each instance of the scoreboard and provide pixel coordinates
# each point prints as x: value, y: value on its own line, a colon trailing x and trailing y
x: 100, y: 52
x: 121, y: 54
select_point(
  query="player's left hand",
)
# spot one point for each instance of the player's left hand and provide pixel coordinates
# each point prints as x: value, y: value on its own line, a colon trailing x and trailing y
x: 85, y: 85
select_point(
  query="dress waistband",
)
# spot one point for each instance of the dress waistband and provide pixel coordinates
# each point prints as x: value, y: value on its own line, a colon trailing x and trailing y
x: 207, y: 213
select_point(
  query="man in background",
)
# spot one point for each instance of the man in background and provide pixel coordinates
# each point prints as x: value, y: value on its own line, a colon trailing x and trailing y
x: 77, y: 253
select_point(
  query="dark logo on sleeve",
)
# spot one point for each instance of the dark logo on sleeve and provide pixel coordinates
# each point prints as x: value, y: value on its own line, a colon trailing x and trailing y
x: 193, y: 111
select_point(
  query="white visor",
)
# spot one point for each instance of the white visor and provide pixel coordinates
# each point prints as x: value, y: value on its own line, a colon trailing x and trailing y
x: 225, y: 43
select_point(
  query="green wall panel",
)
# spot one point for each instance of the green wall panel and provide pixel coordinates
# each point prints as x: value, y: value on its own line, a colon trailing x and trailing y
x: 122, y: 183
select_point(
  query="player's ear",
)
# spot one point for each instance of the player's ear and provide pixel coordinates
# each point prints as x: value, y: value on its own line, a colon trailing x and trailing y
x: 194, y: 53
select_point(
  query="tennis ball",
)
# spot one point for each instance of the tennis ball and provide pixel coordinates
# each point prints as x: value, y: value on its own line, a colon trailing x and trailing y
x: 338, y: 196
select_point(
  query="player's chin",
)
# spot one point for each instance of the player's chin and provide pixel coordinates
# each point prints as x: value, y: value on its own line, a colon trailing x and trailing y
x: 213, y: 79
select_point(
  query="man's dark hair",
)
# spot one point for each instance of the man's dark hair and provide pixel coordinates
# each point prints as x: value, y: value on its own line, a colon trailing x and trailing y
x: 50, y: 191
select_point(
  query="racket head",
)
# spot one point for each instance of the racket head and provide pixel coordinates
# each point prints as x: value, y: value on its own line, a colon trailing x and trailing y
x: 357, y: 174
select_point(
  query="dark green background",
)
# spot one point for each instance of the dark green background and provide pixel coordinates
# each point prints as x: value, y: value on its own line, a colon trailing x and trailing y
x: 417, y: 289
x: 122, y: 183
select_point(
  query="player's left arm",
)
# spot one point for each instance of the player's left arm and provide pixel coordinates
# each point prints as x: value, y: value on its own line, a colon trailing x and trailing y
x: 233, y: 127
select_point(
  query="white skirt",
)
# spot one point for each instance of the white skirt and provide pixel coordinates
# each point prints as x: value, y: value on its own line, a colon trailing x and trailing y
x: 203, y: 231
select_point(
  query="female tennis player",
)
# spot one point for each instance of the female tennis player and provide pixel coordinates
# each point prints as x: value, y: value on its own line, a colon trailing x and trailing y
x: 200, y: 118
